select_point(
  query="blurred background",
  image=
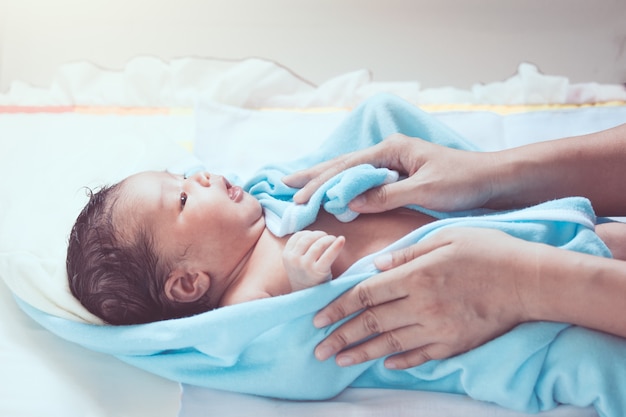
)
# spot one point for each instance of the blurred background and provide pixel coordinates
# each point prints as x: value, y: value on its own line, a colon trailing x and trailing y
x: 438, y: 43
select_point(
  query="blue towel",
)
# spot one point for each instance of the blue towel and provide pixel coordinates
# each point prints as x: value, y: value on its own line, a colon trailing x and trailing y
x: 533, y: 367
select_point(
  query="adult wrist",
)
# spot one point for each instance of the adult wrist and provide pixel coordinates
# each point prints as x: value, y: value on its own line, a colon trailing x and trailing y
x: 515, y: 180
x: 500, y: 174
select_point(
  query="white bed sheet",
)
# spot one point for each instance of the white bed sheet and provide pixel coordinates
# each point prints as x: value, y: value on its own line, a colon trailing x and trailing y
x: 43, y: 375
x: 361, y: 402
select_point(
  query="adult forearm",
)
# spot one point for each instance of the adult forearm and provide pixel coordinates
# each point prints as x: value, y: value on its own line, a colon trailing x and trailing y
x: 577, y: 288
x: 593, y: 166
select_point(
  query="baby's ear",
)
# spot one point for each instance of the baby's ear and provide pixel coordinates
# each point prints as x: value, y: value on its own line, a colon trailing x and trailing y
x: 185, y: 286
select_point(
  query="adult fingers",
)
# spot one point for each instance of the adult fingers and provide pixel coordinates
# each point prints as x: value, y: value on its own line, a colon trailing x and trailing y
x: 373, y: 321
x: 402, y: 256
x: 419, y: 356
x: 369, y: 293
x: 313, y: 178
x: 305, y: 193
x: 300, y: 178
x: 386, y: 197
x: 382, y: 345
x: 409, y: 346
x: 416, y: 348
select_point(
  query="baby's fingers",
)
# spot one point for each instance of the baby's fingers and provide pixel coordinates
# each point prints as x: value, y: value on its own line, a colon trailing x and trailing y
x: 331, y: 252
x: 300, y: 241
x: 318, y: 247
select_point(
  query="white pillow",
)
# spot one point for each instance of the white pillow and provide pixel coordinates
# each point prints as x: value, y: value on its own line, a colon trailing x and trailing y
x: 46, y: 160
x: 237, y: 142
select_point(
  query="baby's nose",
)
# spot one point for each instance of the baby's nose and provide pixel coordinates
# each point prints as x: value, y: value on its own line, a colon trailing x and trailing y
x: 201, y: 177
x: 193, y: 170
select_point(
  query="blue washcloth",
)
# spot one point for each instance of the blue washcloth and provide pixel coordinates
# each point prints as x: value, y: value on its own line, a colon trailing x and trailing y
x: 283, y: 217
x: 534, y: 367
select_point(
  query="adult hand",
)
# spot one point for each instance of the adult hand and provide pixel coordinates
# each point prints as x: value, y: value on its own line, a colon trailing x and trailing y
x: 438, y: 178
x: 440, y: 297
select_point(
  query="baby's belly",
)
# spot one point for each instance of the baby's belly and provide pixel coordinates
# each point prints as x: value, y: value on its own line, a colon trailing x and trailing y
x: 369, y: 233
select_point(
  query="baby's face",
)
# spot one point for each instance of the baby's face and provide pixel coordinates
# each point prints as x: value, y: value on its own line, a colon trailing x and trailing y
x: 201, y: 218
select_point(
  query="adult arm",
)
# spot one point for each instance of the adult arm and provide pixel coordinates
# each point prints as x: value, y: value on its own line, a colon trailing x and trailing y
x: 593, y: 166
x: 575, y: 288
x: 446, y: 179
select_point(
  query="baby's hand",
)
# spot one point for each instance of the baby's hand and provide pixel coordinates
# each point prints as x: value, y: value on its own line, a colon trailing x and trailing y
x: 308, y: 257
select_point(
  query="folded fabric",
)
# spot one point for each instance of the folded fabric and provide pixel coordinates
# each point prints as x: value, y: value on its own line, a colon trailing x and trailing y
x: 369, y: 124
x: 534, y: 367
x: 283, y: 217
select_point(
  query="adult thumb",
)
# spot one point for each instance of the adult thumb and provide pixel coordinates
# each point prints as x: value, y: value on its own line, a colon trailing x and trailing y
x: 391, y: 260
x: 382, y: 198
x: 394, y: 259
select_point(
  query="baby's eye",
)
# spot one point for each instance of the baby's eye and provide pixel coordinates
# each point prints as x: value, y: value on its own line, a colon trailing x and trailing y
x: 183, y: 199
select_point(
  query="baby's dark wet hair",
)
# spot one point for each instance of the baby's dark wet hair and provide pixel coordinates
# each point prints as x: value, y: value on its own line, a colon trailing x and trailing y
x: 120, y: 280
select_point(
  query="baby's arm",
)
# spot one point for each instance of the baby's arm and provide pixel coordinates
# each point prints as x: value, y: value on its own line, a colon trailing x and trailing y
x: 308, y: 257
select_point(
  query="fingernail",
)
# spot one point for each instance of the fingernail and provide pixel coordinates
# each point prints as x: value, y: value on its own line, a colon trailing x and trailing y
x: 321, y: 321
x: 358, y: 201
x: 345, y: 361
x: 297, y: 197
x: 323, y: 353
x: 391, y: 365
x: 383, y: 261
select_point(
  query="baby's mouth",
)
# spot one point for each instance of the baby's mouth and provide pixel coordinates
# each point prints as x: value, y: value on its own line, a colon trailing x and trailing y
x: 235, y: 192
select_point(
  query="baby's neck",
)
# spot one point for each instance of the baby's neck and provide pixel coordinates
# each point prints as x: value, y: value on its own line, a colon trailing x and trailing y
x: 262, y: 273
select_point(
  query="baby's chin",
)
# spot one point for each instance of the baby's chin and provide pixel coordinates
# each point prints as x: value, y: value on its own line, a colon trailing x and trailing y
x: 258, y: 210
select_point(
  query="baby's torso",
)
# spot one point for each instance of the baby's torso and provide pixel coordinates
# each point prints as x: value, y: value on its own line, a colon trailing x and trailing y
x: 368, y: 233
